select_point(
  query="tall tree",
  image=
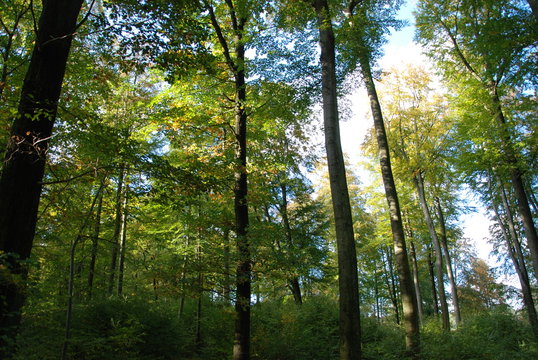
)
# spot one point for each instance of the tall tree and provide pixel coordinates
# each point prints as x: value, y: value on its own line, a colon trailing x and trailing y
x: 233, y: 48
x: 489, y: 49
x: 20, y: 182
x: 350, y: 348
x: 363, y: 54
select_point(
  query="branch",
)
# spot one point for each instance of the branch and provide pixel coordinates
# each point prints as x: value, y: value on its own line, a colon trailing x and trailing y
x: 459, y: 53
x: 85, y: 16
x: 74, y: 177
x: 221, y: 38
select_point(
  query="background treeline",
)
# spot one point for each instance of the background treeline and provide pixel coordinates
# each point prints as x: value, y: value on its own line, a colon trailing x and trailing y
x: 147, y: 243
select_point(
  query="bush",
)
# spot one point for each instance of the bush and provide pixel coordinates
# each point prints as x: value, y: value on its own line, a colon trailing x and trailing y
x: 497, y: 335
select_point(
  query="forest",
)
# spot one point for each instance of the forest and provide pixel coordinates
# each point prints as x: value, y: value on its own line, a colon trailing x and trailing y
x: 173, y: 183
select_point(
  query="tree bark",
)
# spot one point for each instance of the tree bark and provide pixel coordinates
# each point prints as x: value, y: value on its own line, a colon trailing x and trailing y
x: 448, y: 264
x: 350, y: 348
x: 518, y: 259
x: 24, y: 164
x: 416, y: 281
x: 123, y: 242
x: 391, y: 286
x: 95, y: 243
x: 409, y: 302
x: 117, y: 230
x: 432, y: 281
x: 70, y: 286
x: 419, y: 186
x: 293, y: 281
x: 517, y: 180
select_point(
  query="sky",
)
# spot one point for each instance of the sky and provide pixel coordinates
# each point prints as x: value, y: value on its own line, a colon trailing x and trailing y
x: 399, y: 51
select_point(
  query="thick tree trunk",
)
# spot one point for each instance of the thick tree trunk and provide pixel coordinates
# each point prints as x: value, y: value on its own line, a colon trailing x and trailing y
x: 24, y: 164
x: 117, y: 230
x: 350, y: 348
x: 448, y: 264
x: 419, y: 185
x: 409, y: 301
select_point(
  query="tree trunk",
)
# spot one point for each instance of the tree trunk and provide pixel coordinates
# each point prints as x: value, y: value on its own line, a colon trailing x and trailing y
x: 350, y: 348
x: 226, y: 287
x: 432, y: 281
x: 416, y: 281
x: 95, y: 243
x: 293, y: 281
x: 376, y: 294
x: 70, y: 286
x: 117, y: 230
x: 236, y: 64
x: 391, y: 286
x: 24, y: 164
x: 517, y: 180
x: 241, y: 349
x: 518, y: 259
x: 409, y: 302
x: 448, y: 264
x: 123, y: 242
x: 419, y: 186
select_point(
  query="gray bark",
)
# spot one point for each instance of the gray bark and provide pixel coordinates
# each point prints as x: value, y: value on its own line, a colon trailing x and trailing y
x: 349, y: 319
x: 419, y: 185
x: 448, y: 264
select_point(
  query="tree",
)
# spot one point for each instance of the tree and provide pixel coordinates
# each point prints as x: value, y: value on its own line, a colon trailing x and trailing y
x: 347, y: 260
x: 20, y: 182
x: 489, y: 50
x: 363, y: 50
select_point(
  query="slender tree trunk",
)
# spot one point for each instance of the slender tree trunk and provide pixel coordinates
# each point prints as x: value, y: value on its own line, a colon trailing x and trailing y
x: 517, y: 180
x: 24, y: 164
x: 200, y: 286
x: 117, y: 230
x: 376, y: 294
x: 448, y: 264
x: 532, y: 200
x: 70, y: 286
x: 518, y: 259
x: 95, y: 243
x: 416, y: 281
x: 293, y: 282
x: 350, y: 348
x: 419, y: 185
x: 432, y: 282
x: 226, y: 287
x: 236, y: 64
x: 409, y: 301
x: 123, y: 242
x: 391, y: 286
